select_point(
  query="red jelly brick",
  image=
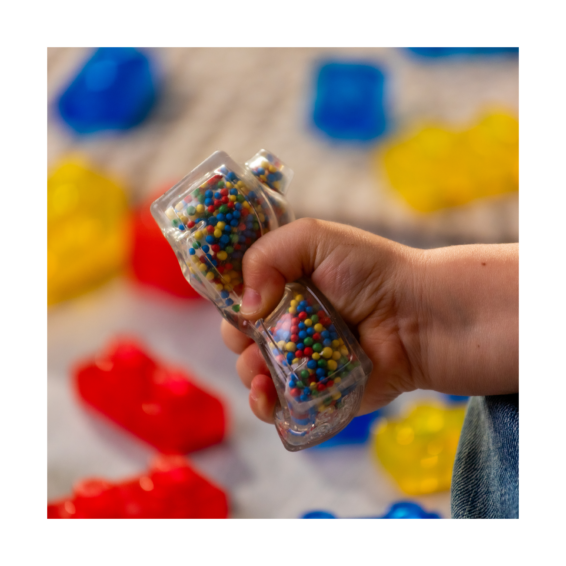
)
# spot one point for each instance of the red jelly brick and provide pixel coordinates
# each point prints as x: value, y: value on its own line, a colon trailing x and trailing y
x: 171, y: 489
x: 152, y: 260
x: 159, y: 404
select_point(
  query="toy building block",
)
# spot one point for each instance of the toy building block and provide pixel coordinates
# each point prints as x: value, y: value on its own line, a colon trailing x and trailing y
x: 159, y: 404
x: 115, y: 90
x: 399, y: 510
x: 171, y: 489
x: 152, y: 260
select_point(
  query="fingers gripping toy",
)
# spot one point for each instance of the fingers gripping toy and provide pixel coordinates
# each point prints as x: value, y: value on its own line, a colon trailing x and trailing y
x: 210, y: 218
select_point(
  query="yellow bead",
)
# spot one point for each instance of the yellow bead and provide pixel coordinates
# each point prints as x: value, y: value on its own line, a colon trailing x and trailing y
x: 327, y: 352
x: 217, y: 233
x: 281, y: 344
x: 219, y: 286
x: 221, y: 225
x: 332, y: 365
x: 318, y: 327
x: 312, y: 386
x: 232, y: 198
x: 293, y: 303
x: 191, y: 269
x: 308, y: 322
x: 202, y: 267
x: 290, y: 346
x: 341, y: 341
x: 337, y: 380
x: 210, y: 275
x: 226, y: 278
x: 299, y: 298
x: 295, y: 361
x: 222, y: 255
x: 228, y: 288
x: 239, y: 184
x: 228, y: 185
x: 246, y: 204
x: 335, y: 344
x: 293, y: 310
x: 315, y: 356
x: 344, y: 350
x: 198, y: 235
x: 336, y: 355
x: 200, y: 207
x: 336, y: 396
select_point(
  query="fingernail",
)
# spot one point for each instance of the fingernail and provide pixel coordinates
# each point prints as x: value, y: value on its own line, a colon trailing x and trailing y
x: 251, y: 301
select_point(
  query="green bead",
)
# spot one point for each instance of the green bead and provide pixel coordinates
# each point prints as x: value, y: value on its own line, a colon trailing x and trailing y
x: 314, y: 318
x: 305, y: 374
x: 234, y: 238
x: 236, y: 308
x: 317, y: 347
x: 191, y: 210
x: 300, y: 384
x: 201, y: 199
x: 308, y: 341
x: 224, y: 209
x: 229, y: 249
x: 343, y: 361
x: 175, y: 223
x: 240, y: 198
x: 196, y: 245
x: 221, y: 184
x: 322, y: 363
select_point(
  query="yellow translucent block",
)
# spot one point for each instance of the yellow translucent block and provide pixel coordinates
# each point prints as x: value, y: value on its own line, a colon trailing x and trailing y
x: 418, y: 449
x: 438, y: 167
x: 87, y: 230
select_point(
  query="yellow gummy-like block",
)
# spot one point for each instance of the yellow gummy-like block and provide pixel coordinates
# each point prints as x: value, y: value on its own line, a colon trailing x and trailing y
x: 87, y: 230
x: 418, y: 449
x: 438, y: 167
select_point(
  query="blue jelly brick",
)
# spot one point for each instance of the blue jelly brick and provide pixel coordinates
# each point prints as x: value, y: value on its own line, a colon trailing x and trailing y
x: 115, y: 90
x: 349, y: 101
x: 357, y: 431
x: 399, y: 510
x: 443, y: 52
x: 455, y: 399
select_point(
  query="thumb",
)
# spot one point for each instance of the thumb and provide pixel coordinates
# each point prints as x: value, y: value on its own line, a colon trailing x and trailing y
x: 334, y: 256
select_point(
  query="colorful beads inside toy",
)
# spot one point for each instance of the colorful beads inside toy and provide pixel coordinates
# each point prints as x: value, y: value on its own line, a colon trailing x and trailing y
x: 306, y: 341
x: 269, y: 170
x: 224, y: 218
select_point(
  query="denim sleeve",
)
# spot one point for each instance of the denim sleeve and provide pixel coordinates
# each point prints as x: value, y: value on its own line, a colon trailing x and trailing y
x: 485, y: 480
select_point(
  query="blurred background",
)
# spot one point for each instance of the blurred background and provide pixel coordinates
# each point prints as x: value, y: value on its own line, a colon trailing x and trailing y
x: 417, y: 145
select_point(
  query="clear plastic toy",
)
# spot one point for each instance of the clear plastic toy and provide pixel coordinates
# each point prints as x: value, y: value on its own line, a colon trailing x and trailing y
x: 210, y: 218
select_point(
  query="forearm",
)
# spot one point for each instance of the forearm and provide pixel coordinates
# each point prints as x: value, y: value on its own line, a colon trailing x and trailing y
x: 468, y: 319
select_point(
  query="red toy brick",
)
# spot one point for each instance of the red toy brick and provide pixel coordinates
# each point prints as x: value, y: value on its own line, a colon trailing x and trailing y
x: 160, y: 405
x: 170, y: 490
x: 153, y: 262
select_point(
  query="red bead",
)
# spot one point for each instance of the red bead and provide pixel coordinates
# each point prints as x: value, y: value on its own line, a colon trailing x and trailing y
x: 217, y: 202
x: 215, y: 248
x: 321, y: 314
x: 229, y: 267
x: 330, y: 383
x: 210, y: 229
x: 171, y: 489
x: 210, y: 209
x: 230, y: 204
x: 312, y: 379
x: 294, y: 338
x: 224, y: 200
x: 163, y: 407
x: 316, y: 336
x: 237, y: 247
x: 321, y: 387
x: 220, y: 269
x: 302, y: 315
x: 190, y: 224
x: 307, y: 351
x: 295, y: 392
x: 295, y: 321
x: 224, y: 192
x: 294, y: 329
x: 298, y: 354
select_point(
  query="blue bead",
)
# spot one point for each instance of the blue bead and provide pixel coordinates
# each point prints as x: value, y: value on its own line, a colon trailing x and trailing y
x: 251, y: 195
x: 212, y: 221
x: 236, y: 214
x: 227, y: 228
x: 350, y: 101
x: 231, y: 176
x: 221, y: 217
x: 228, y: 217
x: 311, y: 364
x: 224, y: 294
x: 260, y: 170
x: 302, y: 334
x: 233, y: 191
x: 303, y: 397
x: 331, y: 328
x: 207, y: 202
x: 292, y: 384
x: 210, y: 239
x: 310, y: 310
x: 181, y: 227
x: 290, y: 356
x: 333, y: 336
x: 224, y: 239
x: 327, y: 343
x: 205, y: 248
x: 234, y: 223
x: 300, y: 346
x: 303, y: 303
x: 300, y: 309
x: 115, y: 90
x: 302, y: 325
x: 217, y: 195
x: 321, y: 372
x: 192, y: 251
x: 325, y: 334
x: 229, y: 302
x: 208, y: 194
x: 310, y: 330
x: 238, y: 205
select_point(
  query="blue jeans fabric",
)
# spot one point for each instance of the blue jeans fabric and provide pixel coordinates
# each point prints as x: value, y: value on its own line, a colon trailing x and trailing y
x: 485, y: 480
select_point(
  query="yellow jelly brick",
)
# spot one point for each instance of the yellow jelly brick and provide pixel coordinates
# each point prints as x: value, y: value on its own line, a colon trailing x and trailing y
x: 418, y: 449
x: 87, y: 230
x: 438, y: 166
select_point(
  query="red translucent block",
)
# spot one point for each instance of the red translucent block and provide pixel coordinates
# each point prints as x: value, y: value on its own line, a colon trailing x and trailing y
x: 161, y: 405
x: 171, y: 489
x: 152, y: 260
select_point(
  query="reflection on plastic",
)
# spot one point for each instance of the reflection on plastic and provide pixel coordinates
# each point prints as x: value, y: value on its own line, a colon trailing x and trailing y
x: 438, y: 167
x: 171, y: 489
x: 349, y: 101
x: 399, y: 510
x: 159, y: 404
x: 115, y: 90
x: 418, y: 449
x: 152, y: 260
x: 443, y: 52
x: 87, y: 230
x: 356, y: 432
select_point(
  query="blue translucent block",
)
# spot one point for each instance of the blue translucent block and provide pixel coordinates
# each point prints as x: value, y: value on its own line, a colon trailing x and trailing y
x: 115, y: 90
x: 356, y: 432
x: 349, y: 101
x: 456, y: 398
x: 399, y: 510
x: 441, y: 52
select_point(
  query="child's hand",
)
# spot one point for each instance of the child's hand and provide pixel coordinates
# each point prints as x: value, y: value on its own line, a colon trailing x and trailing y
x: 433, y: 319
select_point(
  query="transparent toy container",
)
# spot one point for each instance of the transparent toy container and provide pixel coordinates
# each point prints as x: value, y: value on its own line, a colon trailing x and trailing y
x: 210, y: 218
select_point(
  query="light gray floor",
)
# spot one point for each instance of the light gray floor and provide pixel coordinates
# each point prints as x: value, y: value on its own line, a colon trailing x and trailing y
x: 261, y: 477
